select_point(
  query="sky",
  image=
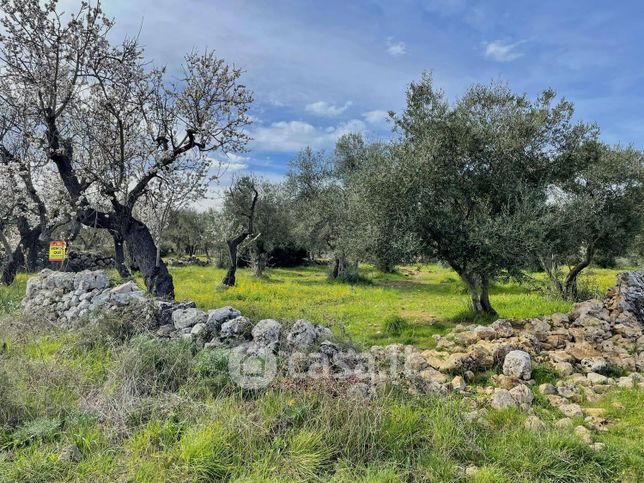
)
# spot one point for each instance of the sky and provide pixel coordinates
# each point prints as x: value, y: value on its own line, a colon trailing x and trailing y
x: 319, y: 69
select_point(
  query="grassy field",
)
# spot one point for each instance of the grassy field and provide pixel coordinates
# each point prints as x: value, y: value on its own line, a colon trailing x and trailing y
x: 89, y: 406
x: 430, y: 298
x: 93, y: 405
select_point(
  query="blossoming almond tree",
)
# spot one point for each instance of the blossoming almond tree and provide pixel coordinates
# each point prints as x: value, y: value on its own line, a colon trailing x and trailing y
x: 109, y: 122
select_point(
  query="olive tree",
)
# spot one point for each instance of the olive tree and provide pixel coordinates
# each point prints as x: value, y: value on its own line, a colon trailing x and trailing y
x: 109, y: 121
x: 273, y: 226
x: 325, y: 204
x: 471, y: 173
x: 240, y: 206
x: 596, y: 211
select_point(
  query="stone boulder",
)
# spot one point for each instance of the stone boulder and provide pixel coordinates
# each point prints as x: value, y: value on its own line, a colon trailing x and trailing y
x: 90, y: 280
x: 502, y: 399
x: 627, y: 297
x: 217, y: 317
x: 185, y: 318
x: 236, y: 331
x: 165, y: 309
x: 518, y: 364
x: 267, y: 333
x: 302, y: 335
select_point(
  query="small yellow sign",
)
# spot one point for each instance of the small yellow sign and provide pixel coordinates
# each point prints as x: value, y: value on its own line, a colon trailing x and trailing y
x: 57, y: 250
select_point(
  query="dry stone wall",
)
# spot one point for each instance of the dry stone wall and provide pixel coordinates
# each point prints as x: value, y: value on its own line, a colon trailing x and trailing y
x: 599, y: 344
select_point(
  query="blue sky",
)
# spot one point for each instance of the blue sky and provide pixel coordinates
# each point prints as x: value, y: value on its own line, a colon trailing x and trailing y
x: 322, y: 68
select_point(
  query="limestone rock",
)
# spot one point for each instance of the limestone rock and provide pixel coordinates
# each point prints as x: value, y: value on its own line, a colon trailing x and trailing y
x: 533, y: 423
x: 546, y: 389
x: 518, y: 364
x: 595, y: 378
x: 302, y: 335
x: 502, y: 399
x: 584, y: 434
x: 267, y: 333
x: 571, y: 410
x: 236, y: 331
x: 522, y: 394
x: 217, y: 317
x: 184, y: 318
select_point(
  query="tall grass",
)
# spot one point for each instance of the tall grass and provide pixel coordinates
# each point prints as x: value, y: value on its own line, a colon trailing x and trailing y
x: 148, y: 410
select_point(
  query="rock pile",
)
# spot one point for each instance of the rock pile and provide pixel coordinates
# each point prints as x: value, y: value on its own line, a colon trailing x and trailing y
x: 80, y: 261
x: 590, y: 347
x: 66, y: 296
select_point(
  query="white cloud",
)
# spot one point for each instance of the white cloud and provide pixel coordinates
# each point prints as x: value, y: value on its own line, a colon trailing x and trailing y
x: 376, y: 117
x: 228, y: 162
x: 289, y: 136
x: 502, y: 51
x: 396, y: 48
x: 323, y: 108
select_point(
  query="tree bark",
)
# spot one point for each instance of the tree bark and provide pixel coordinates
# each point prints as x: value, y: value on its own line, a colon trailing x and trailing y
x: 478, y: 288
x: 336, y: 269
x: 230, y: 279
x: 570, y: 283
x: 143, y: 250
x: 485, y: 297
x: 340, y: 268
x: 119, y: 256
x: 260, y: 263
x: 10, y: 269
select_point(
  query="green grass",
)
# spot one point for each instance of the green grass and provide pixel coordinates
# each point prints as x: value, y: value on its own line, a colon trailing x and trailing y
x: 430, y: 298
x: 424, y: 300
x: 181, y: 428
x: 11, y: 295
x: 144, y: 410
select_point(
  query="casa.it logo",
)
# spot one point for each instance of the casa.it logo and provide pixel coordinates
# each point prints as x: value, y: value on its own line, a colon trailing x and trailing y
x: 252, y: 367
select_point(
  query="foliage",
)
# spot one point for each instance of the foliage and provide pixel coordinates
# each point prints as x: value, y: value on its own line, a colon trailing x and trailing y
x: 598, y: 212
x: 474, y: 172
x: 114, y: 127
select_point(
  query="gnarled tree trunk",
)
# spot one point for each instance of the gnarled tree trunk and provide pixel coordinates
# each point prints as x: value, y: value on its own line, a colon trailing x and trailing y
x: 143, y: 250
x: 570, y: 283
x: 233, y: 245
x: 479, y: 291
x: 25, y: 254
x: 119, y: 255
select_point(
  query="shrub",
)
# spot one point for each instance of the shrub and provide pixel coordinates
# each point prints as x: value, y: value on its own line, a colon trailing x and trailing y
x: 147, y: 366
x: 112, y: 328
x: 40, y: 429
x: 394, y: 326
x: 9, y: 409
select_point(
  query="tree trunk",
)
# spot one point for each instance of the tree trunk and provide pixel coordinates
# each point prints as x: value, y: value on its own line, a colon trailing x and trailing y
x: 478, y: 288
x: 25, y: 255
x: 143, y: 250
x: 340, y: 268
x: 336, y: 269
x: 15, y: 260
x: 32, y: 247
x: 119, y: 256
x: 229, y: 280
x: 485, y: 297
x: 570, y: 283
x: 260, y: 263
